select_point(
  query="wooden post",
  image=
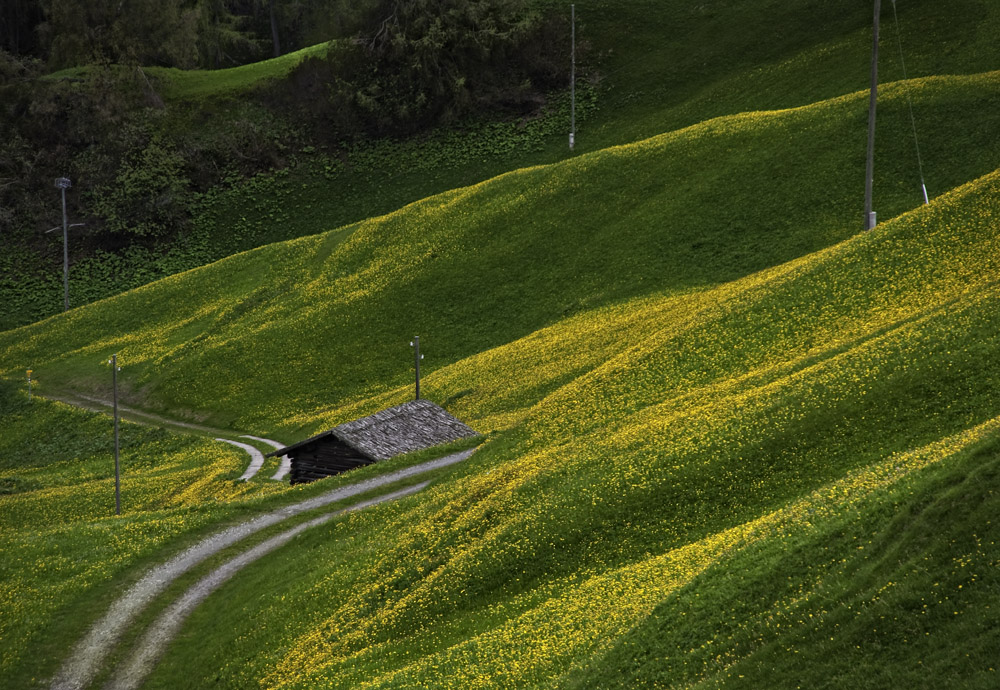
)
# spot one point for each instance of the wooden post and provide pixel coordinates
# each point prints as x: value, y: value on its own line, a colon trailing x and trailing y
x: 415, y: 344
x: 416, y: 362
x: 114, y: 384
x: 64, y: 183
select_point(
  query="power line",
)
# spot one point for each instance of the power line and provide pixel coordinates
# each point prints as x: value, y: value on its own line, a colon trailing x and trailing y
x: 872, y: 105
x: 909, y: 102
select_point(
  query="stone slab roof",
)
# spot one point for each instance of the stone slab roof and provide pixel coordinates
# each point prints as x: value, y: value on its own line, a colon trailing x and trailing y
x: 406, y: 428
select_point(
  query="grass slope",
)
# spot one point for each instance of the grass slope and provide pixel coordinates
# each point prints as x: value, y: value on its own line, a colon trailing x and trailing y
x: 770, y: 422
x: 176, y: 84
x: 674, y: 63
x: 59, y: 535
x: 706, y: 390
x: 66, y: 556
x: 895, y: 592
x: 296, y: 335
x: 652, y: 440
x: 661, y: 66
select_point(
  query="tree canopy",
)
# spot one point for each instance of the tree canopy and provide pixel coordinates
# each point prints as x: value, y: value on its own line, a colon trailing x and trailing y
x: 419, y: 62
x: 176, y: 33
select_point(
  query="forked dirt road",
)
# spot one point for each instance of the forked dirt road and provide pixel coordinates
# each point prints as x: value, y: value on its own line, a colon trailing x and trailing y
x: 83, y: 665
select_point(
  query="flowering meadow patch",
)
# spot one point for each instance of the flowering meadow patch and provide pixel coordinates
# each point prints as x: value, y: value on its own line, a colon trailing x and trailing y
x: 59, y: 536
x: 672, y: 440
x: 663, y: 390
x: 300, y: 335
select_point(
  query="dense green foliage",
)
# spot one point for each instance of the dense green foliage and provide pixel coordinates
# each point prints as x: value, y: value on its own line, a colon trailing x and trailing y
x: 431, y: 61
x: 646, y: 85
x: 174, y: 33
x: 143, y: 143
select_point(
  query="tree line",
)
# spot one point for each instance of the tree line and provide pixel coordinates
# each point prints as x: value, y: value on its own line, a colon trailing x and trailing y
x: 207, y: 34
x: 393, y: 66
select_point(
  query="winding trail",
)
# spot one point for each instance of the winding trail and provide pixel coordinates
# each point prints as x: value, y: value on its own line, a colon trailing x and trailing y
x: 256, y: 458
x: 166, y: 627
x: 95, y: 404
x: 286, y: 462
x: 83, y: 664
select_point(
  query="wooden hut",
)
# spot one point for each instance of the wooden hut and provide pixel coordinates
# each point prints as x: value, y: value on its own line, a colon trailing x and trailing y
x: 406, y: 428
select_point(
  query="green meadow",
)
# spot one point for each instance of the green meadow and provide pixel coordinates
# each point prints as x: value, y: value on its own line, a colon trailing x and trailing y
x: 731, y: 439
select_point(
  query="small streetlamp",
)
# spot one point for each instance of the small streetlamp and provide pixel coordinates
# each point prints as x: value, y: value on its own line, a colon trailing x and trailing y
x: 64, y: 183
x: 415, y: 344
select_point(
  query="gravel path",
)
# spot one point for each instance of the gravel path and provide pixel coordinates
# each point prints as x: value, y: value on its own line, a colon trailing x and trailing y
x: 165, y: 628
x: 79, y: 669
x: 286, y: 462
x: 102, y: 405
x: 256, y: 457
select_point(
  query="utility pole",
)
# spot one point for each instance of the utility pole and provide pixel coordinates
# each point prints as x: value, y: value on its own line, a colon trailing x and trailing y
x: 572, y: 79
x: 415, y: 344
x: 873, y: 99
x: 64, y: 183
x: 29, y: 385
x: 114, y: 385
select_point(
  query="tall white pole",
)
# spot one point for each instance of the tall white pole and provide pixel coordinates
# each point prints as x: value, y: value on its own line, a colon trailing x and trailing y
x: 873, y: 99
x: 572, y: 80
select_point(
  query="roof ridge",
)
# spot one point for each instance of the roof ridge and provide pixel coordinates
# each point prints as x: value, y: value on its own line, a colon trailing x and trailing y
x: 402, y: 428
x: 384, y: 415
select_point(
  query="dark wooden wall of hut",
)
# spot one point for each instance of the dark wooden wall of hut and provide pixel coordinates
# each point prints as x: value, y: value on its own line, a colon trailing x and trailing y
x: 324, y: 458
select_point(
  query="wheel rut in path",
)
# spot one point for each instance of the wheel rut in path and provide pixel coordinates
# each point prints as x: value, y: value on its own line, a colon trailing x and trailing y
x: 167, y: 625
x: 95, y: 404
x: 79, y: 670
x: 256, y: 458
x: 286, y: 462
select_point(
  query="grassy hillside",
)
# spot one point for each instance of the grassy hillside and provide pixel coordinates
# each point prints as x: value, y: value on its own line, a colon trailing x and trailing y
x: 786, y: 412
x: 292, y: 336
x: 66, y: 554
x: 174, y: 84
x: 674, y: 63
x: 653, y: 67
x: 177, y: 85
x: 732, y: 440
x: 60, y: 537
x: 681, y: 416
x: 894, y: 591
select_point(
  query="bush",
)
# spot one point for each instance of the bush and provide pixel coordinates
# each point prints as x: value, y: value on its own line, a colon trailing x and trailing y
x: 150, y: 195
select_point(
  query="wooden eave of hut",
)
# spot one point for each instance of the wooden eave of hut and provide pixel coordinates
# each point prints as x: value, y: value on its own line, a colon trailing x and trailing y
x: 406, y: 428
